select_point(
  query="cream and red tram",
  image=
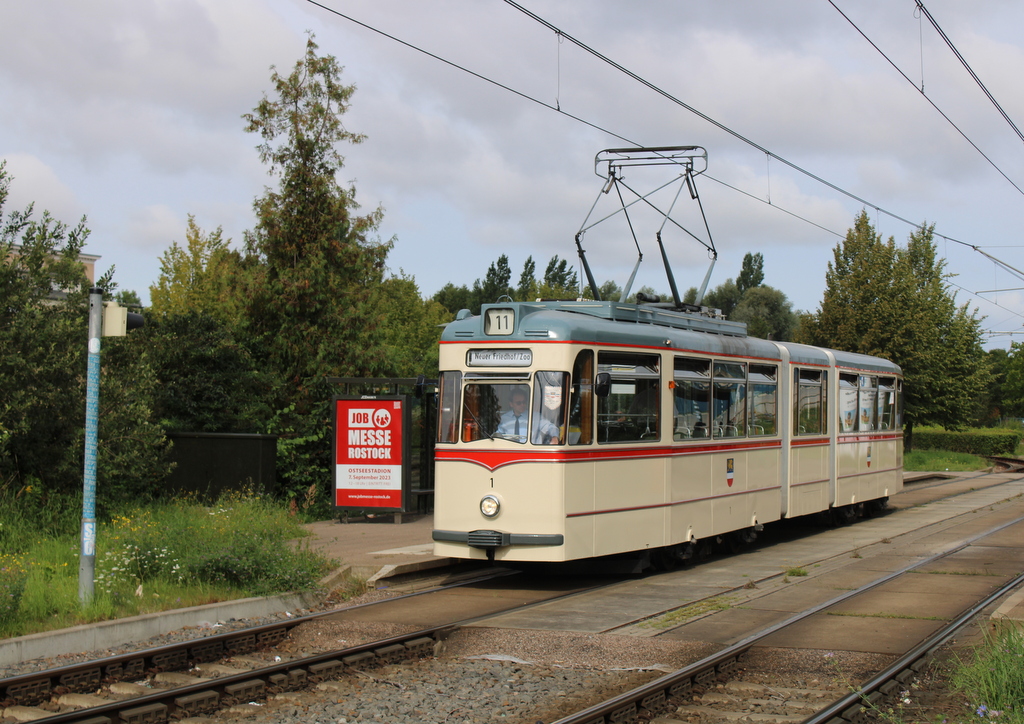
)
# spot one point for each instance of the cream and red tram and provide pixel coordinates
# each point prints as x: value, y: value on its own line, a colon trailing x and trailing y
x: 645, y: 429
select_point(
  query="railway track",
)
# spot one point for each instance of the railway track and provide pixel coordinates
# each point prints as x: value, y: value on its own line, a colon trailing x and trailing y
x: 206, y: 675
x: 743, y: 680
x: 239, y: 667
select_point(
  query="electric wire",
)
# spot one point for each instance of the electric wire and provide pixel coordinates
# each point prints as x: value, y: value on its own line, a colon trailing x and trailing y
x: 563, y: 35
x: 970, y: 70
x: 473, y: 73
x: 930, y: 101
x: 736, y: 134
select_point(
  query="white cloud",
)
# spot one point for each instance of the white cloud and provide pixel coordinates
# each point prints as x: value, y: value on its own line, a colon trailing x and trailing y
x: 33, y: 182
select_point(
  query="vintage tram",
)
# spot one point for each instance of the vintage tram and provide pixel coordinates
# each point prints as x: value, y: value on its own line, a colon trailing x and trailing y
x: 647, y: 429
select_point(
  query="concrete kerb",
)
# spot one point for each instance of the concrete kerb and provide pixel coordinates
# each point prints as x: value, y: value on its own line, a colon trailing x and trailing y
x: 107, y: 634
x: 376, y: 573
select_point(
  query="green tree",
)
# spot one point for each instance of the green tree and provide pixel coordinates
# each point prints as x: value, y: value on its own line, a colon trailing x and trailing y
x: 127, y: 298
x: 998, y: 402
x: 751, y: 273
x: 895, y: 303
x: 1012, y: 380
x: 413, y: 328
x: 454, y: 298
x: 43, y: 332
x: 208, y: 381
x: 724, y: 297
x: 560, y: 280
x: 527, y: 289
x: 312, y: 296
x: 190, y: 277
x: 312, y: 272
x: 767, y: 313
x: 494, y: 285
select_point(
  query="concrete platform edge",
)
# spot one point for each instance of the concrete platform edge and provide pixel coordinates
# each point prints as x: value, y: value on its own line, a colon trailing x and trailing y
x: 96, y: 636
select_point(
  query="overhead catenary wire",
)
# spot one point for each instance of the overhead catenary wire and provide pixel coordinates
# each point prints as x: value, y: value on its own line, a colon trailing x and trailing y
x: 563, y: 36
x: 735, y: 134
x: 930, y: 101
x: 967, y: 66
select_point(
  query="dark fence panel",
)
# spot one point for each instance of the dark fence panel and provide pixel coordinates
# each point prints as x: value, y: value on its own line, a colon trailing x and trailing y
x: 209, y: 464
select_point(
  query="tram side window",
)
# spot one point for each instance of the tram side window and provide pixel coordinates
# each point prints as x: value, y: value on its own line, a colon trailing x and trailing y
x: 810, y: 418
x: 549, y: 402
x: 692, y: 398
x: 581, y: 402
x: 867, y: 407
x: 730, y: 399
x: 848, y: 388
x: 886, y: 403
x: 899, y: 405
x: 763, y: 385
x: 447, y: 408
x: 630, y: 411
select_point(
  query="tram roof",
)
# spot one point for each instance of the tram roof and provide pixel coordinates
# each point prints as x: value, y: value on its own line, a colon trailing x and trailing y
x: 613, y: 323
x: 645, y: 326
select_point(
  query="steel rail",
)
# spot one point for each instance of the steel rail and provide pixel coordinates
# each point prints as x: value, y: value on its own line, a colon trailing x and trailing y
x: 34, y: 687
x: 654, y: 695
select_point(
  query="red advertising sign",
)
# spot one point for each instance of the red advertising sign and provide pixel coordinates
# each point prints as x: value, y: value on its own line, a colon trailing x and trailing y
x: 368, y: 453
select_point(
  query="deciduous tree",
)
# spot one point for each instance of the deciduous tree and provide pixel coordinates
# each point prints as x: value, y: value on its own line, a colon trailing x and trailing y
x: 752, y: 272
x: 43, y: 335
x: 767, y: 314
x: 189, y: 275
x: 895, y: 303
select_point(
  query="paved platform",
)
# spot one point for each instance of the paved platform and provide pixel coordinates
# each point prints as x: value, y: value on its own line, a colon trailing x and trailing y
x: 377, y: 548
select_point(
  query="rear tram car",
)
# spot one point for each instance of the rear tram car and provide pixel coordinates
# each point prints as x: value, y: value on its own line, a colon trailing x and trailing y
x: 573, y: 430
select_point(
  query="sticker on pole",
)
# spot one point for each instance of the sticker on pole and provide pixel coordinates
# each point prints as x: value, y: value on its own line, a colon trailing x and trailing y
x: 368, y: 454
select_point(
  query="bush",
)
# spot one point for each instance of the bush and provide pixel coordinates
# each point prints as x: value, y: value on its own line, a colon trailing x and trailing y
x: 241, y: 541
x: 989, y: 441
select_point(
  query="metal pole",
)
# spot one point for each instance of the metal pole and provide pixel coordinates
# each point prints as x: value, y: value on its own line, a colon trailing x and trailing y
x: 87, y: 560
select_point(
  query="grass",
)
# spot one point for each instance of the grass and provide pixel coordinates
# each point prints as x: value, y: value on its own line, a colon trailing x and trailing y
x: 694, y: 610
x: 991, y: 677
x: 942, y: 461
x: 163, y: 556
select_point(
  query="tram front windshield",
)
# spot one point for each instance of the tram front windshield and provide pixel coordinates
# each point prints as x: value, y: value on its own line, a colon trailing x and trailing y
x: 519, y: 410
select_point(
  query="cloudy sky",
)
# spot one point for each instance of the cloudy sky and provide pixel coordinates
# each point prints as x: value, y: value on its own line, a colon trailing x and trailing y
x: 129, y: 112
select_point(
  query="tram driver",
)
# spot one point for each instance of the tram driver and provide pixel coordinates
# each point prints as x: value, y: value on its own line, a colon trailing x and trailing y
x: 513, y: 424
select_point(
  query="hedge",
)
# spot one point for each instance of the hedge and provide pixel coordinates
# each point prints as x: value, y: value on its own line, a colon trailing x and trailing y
x: 989, y: 441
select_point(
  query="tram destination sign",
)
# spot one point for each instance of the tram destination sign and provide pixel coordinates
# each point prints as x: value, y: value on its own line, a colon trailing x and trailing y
x: 368, y: 453
x: 499, y: 358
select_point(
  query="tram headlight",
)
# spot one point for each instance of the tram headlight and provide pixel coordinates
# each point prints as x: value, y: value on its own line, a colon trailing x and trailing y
x: 489, y: 506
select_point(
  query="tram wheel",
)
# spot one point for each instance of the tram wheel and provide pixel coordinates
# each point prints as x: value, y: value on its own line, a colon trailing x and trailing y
x: 664, y: 559
x: 846, y: 514
x: 876, y: 507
